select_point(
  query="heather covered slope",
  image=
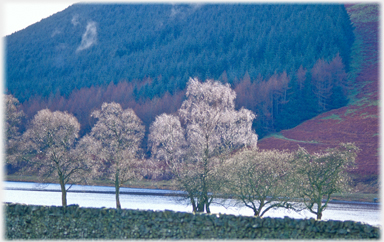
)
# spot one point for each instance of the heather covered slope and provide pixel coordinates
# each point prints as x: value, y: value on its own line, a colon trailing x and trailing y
x: 359, y: 121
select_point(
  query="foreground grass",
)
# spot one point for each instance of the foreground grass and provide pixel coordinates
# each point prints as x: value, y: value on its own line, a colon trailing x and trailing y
x: 168, y: 185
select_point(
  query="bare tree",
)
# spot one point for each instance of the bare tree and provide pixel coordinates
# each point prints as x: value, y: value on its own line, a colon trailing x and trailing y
x: 13, y: 120
x: 211, y: 128
x: 322, y: 82
x: 323, y: 174
x: 115, y: 141
x: 49, y: 145
x: 261, y: 180
x: 301, y: 77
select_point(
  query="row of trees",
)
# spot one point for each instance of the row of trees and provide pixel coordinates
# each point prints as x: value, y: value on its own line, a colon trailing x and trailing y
x: 207, y: 147
x: 81, y: 103
x: 268, y: 179
x: 52, y: 148
x: 281, y: 102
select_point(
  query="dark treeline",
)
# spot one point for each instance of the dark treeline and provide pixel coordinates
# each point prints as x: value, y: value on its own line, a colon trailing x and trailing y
x: 94, y: 45
x: 81, y: 103
x: 280, y: 102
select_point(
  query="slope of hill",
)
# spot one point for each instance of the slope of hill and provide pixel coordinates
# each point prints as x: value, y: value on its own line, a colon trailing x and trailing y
x: 142, y: 56
x: 96, y: 44
x: 93, y: 53
x: 359, y: 121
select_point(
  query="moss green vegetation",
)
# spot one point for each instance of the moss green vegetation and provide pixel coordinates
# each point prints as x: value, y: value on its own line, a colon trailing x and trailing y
x: 280, y: 136
x: 333, y: 116
x: 356, y: 61
x: 350, y: 111
x: 365, y: 115
x: 366, y: 101
x: 362, y: 13
x: 355, y: 197
x: 375, y: 103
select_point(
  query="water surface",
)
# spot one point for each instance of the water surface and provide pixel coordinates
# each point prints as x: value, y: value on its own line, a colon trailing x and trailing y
x: 155, y: 199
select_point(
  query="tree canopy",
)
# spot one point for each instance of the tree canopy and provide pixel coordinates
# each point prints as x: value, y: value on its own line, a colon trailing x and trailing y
x: 49, y: 146
x: 13, y: 118
x: 194, y: 143
x: 114, y: 142
x: 323, y: 174
x: 261, y: 179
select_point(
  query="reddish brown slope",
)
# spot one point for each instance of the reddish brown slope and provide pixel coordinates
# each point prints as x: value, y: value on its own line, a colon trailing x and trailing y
x: 355, y: 123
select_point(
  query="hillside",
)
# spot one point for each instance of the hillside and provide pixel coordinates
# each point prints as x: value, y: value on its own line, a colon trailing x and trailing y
x: 359, y: 121
x: 95, y: 44
x: 308, y: 73
x: 93, y: 53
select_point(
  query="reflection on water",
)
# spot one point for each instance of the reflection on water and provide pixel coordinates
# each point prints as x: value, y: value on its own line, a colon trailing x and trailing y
x: 367, y: 213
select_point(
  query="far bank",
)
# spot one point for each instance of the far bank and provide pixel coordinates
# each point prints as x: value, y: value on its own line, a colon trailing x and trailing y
x: 169, y: 185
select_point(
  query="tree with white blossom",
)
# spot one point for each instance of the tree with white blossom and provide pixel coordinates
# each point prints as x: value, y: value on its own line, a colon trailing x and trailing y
x: 13, y: 117
x: 114, y: 143
x: 167, y: 139
x: 195, y: 142
x: 49, y: 147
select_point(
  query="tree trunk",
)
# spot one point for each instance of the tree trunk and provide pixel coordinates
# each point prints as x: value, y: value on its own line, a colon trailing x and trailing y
x: 204, y: 195
x: 63, y: 191
x: 200, y: 205
x: 207, y: 207
x: 117, y: 191
x: 194, y: 208
x: 319, y: 209
x: 207, y: 202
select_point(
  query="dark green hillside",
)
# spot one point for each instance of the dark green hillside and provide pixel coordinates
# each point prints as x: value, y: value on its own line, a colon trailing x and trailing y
x: 93, y: 45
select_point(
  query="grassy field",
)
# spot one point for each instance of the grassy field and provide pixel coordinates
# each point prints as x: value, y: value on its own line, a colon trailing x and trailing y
x: 168, y: 185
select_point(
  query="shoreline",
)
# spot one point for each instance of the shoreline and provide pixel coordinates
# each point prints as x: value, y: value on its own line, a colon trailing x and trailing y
x: 161, y: 192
